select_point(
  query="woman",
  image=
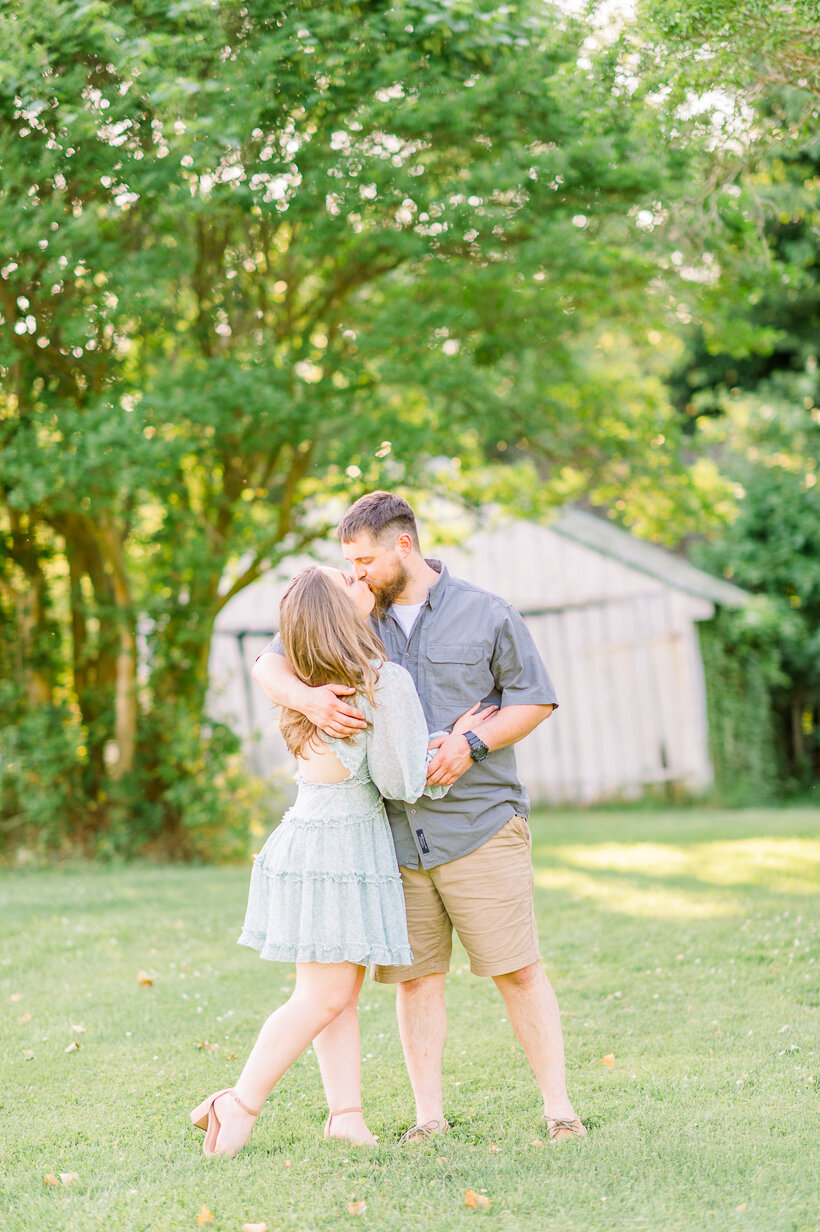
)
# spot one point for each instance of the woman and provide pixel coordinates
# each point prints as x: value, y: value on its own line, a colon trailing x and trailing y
x: 325, y: 889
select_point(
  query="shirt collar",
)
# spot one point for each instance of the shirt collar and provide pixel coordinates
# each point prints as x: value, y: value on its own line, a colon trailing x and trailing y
x: 436, y: 591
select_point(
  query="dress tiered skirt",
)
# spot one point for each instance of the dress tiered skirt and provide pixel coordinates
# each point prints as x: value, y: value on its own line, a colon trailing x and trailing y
x: 326, y: 885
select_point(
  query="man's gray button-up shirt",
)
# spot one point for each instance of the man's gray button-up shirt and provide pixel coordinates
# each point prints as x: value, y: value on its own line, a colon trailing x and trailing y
x: 466, y: 646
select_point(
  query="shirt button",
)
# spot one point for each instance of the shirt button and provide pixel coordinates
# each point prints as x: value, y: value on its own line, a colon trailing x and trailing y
x: 413, y: 811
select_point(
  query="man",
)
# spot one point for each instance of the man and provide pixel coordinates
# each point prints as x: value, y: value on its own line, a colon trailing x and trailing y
x: 465, y: 860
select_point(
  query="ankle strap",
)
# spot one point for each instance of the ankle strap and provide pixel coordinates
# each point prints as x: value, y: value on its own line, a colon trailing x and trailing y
x: 250, y: 1111
x: 342, y: 1111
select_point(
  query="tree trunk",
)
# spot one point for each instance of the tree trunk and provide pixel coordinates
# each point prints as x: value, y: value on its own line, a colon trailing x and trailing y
x: 30, y: 613
x: 126, y: 712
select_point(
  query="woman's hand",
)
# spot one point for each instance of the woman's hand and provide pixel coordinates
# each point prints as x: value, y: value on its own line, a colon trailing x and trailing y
x: 470, y: 719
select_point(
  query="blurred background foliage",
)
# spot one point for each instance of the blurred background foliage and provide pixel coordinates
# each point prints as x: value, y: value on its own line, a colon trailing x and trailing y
x: 256, y: 258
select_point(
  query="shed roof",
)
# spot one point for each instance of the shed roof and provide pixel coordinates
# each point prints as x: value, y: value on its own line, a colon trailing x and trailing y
x: 660, y: 563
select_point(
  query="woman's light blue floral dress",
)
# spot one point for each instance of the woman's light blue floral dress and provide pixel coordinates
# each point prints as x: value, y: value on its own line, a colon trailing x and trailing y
x: 326, y: 886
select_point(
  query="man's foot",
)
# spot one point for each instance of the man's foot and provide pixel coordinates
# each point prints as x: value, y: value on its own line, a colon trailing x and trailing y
x: 420, y: 1133
x: 564, y: 1129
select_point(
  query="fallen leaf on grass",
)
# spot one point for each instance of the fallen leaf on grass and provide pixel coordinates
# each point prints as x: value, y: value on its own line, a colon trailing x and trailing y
x: 78, y: 1028
x: 357, y: 1208
x: 475, y: 1200
x: 28, y: 1055
x: 25, y: 1017
x: 75, y: 1047
x: 50, y: 1179
x: 536, y: 1142
x: 205, y: 1044
x: 204, y: 1216
x: 742, y: 1207
x: 609, y: 1059
x: 144, y: 978
x: 254, y: 1227
x: 18, y: 996
x: 287, y: 1163
x: 495, y: 1148
x: 68, y: 1178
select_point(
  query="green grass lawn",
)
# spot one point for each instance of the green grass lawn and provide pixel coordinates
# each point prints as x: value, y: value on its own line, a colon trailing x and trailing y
x: 682, y: 942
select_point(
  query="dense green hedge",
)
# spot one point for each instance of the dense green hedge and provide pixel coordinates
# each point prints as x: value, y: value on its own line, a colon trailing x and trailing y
x: 741, y: 666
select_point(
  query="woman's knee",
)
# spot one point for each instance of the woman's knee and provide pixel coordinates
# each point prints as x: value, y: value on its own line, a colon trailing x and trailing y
x: 329, y: 997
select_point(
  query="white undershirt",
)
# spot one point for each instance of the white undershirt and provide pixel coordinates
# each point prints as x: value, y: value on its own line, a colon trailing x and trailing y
x: 406, y: 614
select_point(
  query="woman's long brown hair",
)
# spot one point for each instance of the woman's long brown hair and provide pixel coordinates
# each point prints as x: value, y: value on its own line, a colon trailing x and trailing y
x: 325, y: 641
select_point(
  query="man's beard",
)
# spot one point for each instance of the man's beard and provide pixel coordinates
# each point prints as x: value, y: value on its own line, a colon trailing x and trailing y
x: 389, y: 591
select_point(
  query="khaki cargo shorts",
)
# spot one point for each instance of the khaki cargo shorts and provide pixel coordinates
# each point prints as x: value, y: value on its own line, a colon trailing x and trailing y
x: 487, y: 896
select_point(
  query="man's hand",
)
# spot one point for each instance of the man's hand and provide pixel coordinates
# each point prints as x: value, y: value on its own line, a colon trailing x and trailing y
x: 330, y: 714
x: 452, y: 760
x: 498, y: 731
x: 280, y: 684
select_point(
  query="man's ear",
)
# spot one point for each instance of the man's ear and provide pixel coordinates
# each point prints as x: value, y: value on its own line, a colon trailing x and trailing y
x: 404, y: 543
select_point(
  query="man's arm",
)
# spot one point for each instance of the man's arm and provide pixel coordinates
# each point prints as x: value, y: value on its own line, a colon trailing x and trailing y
x: 323, y: 705
x: 505, y: 727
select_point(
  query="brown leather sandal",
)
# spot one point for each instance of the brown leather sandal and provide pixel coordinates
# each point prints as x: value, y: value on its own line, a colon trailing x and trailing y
x: 420, y: 1133
x: 563, y: 1129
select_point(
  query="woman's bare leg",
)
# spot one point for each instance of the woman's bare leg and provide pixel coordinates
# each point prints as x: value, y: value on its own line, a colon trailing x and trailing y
x: 322, y: 991
x: 338, y: 1052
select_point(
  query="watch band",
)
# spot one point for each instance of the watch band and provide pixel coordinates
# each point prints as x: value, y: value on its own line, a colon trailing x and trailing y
x: 478, y: 749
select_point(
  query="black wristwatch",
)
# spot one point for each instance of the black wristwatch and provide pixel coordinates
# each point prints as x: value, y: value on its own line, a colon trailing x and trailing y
x: 478, y: 749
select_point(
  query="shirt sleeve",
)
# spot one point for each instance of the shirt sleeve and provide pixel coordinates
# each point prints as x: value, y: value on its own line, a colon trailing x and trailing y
x: 273, y: 647
x: 518, y: 670
x: 397, y: 738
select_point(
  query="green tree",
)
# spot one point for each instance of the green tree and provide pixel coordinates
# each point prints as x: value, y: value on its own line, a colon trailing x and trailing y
x: 746, y: 379
x: 253, y: 259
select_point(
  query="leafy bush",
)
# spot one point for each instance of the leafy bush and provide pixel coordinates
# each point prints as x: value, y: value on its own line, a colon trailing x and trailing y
x: 743, y: 662
x: 189, y: 796
x: 42, y: 793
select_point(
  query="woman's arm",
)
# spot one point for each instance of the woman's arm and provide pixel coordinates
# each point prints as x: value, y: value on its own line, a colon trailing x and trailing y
x: 397, y: 739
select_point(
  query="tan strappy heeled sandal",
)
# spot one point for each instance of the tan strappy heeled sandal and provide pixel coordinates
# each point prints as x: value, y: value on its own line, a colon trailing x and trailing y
x: 352, y: 1141
x: 340, y: 1112
x: 204, y: 1117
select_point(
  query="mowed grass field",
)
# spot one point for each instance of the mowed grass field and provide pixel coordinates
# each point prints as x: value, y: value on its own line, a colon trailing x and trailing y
x: 682, y: 945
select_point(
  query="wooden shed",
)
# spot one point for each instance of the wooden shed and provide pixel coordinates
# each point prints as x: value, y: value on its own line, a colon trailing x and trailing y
x: 615, y: 619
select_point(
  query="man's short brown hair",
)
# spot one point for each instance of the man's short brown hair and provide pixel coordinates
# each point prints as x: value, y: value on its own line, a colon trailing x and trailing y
x: 380, y: 514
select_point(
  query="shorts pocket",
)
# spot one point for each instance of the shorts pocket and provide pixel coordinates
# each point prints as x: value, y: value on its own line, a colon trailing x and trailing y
x: 520, y: 826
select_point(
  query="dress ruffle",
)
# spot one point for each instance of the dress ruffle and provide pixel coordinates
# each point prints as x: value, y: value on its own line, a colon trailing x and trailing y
x: 326, y: 885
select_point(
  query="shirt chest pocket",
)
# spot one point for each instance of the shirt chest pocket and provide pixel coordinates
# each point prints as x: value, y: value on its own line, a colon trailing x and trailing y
x: 458, y: 675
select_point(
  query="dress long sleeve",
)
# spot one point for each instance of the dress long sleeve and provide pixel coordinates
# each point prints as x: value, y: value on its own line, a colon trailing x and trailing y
x: 397, y: 739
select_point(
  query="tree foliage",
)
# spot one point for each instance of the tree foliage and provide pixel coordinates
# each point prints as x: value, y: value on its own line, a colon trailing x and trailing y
x: 746, y: 383
x: 254, y: 258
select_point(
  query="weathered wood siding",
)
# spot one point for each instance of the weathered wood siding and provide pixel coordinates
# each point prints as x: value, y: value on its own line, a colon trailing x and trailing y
x: 621, y: 647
